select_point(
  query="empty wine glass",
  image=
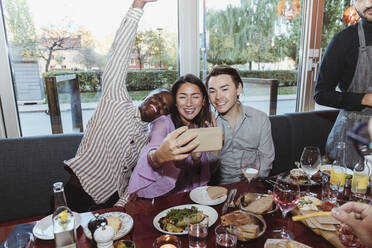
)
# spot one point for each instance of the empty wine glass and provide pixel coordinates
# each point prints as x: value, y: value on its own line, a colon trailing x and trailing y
x: 286, y: 196
x: 310, y: 162
x: 249, y: 165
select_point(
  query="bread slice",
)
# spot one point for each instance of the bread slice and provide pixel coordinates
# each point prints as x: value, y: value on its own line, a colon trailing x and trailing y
x: 261, y: 205
x: 283, y: 243
x: 114, y: 222
x: 237, y: 219
x: 215, y: 192
x: 249, y: 228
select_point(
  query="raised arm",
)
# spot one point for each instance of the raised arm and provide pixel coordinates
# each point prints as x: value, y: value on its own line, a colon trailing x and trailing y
x: 114, y: 76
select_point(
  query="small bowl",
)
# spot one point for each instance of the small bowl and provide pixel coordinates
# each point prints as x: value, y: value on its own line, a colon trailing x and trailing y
x: 257, y: 219
x: 124, y: 244
x: 241, y: 204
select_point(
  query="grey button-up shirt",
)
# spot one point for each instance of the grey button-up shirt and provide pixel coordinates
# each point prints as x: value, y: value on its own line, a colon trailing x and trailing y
x: 252, y: 133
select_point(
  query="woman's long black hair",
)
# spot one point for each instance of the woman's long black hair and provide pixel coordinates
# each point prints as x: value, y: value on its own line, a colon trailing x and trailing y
x: 204, y: 114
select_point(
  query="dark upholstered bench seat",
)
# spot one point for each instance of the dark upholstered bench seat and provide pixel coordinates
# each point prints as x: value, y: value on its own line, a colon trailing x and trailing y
x: 29, y: 166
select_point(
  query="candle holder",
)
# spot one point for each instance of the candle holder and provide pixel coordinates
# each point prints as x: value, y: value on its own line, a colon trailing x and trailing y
x: 167, y: 241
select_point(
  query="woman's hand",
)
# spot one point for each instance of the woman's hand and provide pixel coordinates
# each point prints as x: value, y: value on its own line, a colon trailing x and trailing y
x: 140, y: 3
x: 214, y: 122
x: 174, y: 147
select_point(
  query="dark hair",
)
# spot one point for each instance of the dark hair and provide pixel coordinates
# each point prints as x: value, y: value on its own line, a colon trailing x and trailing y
x: 221, y: 70
x: 204, y: 114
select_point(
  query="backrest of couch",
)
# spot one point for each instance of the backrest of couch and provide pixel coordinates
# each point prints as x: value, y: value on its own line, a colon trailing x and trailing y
x: 310, y: 129
x: 32, y: 163
x: 291, y: 132
x: 282, y: 143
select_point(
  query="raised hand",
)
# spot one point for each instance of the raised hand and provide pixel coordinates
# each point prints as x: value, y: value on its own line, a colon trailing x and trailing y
x: 141, y: 3
x: 174, y: 147
x: 214, y: 122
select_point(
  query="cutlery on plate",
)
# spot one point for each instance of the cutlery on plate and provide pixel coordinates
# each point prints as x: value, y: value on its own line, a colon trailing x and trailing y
x: 231, y: 203
x: 224, y: 207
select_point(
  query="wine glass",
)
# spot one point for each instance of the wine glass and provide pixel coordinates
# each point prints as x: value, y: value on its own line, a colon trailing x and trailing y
x: 249, y: 165
x: 286, y: 196
x: 310, y: 163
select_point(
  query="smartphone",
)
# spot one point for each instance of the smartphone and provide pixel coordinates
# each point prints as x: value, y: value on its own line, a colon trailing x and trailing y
x: 210, y: 138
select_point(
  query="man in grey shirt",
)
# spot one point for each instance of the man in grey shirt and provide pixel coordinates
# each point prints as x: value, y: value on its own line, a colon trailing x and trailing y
x: 246, y: 130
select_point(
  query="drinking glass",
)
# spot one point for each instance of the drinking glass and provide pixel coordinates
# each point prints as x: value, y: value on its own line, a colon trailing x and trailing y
x: 225, y: 237
x: 249, y: 165
x: 167, y: 241
x: 286, y: 196
x: 198, y: 230
x: 310, y: 162
x: 20, y: 240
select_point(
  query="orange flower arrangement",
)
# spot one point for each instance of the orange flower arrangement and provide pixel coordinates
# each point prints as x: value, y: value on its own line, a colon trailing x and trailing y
x: 350, y: 16
x: 289, y: 11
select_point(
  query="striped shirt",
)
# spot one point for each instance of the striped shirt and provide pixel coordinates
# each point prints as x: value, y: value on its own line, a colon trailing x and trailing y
x: 115, y: 134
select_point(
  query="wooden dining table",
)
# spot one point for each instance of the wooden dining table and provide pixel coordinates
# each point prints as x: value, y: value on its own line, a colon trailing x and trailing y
x: 144, y: 233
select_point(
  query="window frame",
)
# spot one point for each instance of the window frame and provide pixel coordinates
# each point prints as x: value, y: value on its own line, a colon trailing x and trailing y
x: 188, y: 59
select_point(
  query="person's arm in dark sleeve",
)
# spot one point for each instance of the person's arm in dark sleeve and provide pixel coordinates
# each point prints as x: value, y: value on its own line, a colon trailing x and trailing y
x: 329, y: 76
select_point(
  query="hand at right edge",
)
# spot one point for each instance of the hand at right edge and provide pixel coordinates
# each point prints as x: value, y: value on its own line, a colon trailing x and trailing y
x: 359, y: 217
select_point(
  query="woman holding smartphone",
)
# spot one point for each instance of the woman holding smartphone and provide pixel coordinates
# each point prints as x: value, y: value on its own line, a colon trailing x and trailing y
x: 165, y: 165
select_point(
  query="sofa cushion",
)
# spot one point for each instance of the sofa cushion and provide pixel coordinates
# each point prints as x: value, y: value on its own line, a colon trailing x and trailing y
x: 28, y: 168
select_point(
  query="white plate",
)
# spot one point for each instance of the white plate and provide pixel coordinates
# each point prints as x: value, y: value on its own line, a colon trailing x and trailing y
x: 200, y: 195
x: 126, y: 225
x: 44, y: 227
x: 329, y: 166
x: 212, y: 214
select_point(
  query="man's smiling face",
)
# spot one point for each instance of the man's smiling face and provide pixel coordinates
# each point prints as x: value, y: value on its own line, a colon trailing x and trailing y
x: 364, y: 8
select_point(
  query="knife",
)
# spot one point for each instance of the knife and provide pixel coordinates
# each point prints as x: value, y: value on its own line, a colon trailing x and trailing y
x: 225, y: 205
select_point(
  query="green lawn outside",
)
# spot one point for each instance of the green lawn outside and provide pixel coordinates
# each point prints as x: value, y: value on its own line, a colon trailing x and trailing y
x: 289, y: 90
x: 139, y: 95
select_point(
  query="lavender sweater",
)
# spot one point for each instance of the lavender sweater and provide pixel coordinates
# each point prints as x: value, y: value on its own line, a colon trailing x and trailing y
x: 177, y: 176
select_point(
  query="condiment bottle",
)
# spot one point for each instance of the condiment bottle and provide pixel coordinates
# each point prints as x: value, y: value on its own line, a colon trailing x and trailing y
x: 63, y: 220
x: 104, y: 236
x: 93, y: 225
x: 338, y: 172
x: 360, y: 179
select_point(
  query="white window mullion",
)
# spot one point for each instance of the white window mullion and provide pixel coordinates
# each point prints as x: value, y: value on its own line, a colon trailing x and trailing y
x: 9, y: 127
x: 188, y: 37
x: 310, y: 53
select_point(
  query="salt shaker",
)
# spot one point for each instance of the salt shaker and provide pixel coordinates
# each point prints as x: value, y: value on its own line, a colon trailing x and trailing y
x: 104, y: 236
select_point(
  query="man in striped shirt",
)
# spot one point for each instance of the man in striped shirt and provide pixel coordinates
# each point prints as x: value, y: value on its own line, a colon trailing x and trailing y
x: 115, y: 134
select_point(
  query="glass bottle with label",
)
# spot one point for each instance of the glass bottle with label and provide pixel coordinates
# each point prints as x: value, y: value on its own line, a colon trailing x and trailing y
x: 360, y: 179
x: 338, y: 172
x: 63, y: 220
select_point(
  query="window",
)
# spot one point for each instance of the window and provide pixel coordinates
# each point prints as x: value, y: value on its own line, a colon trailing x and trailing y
x: 85, y: 33
x: 261, y: 39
